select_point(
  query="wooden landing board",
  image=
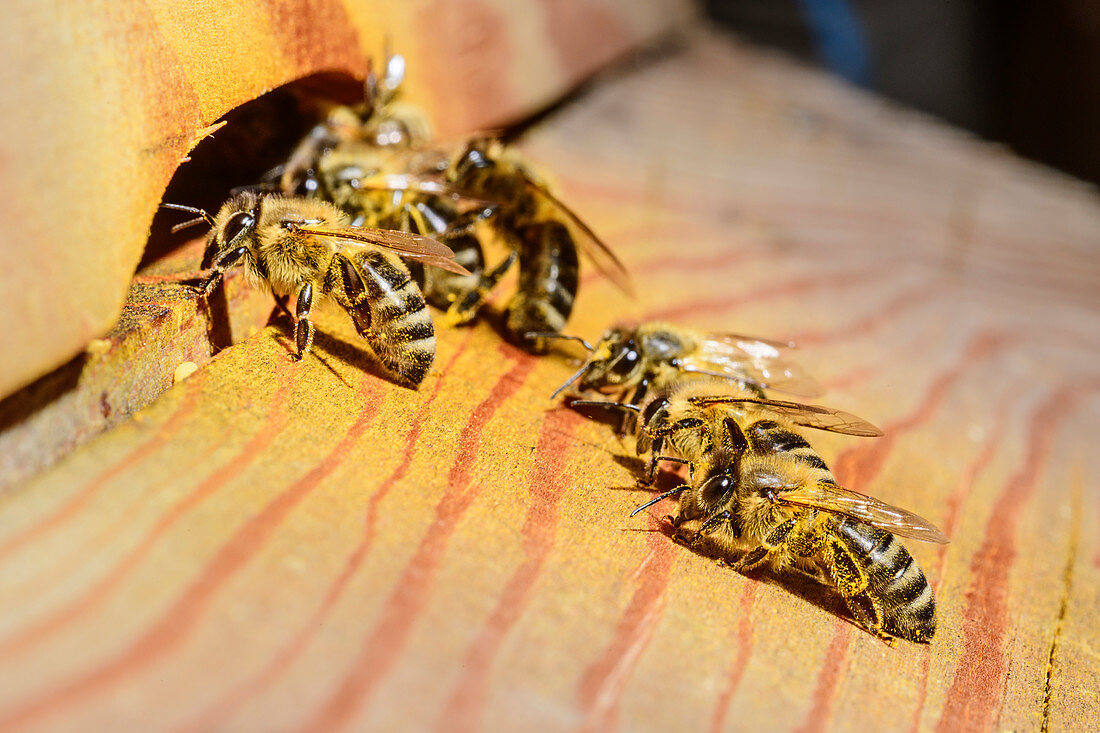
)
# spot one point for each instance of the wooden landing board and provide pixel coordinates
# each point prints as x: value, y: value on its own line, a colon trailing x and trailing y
x: 281, y: 546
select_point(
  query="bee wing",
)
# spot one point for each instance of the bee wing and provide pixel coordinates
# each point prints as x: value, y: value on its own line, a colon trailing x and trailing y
x: 410, y: 246
x: 838, y: 500
x: 740, y: 337
x: 600, y: 254
x: 419, y: 184
x: 759, y: 361
x: 811, y: 416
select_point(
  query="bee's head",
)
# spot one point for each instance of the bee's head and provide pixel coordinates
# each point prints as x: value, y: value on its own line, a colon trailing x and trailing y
x: 654, y: 410
x: 617, y: 361
x: 386, y: 121
x: 233, y: 226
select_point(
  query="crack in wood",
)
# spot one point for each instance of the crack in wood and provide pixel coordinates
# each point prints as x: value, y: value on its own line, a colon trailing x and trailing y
x: 1067, y: 582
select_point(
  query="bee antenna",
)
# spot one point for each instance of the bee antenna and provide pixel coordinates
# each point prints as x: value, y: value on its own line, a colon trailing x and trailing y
x: 203, y: 216
x: 560, y: 336
x: 607, y: 405
x: 580, y: 373
x: 370, y: 85
x: 186, y: 224
x: 660, y: 497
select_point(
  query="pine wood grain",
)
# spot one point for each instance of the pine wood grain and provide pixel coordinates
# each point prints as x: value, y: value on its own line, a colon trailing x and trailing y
x: 281, y: 546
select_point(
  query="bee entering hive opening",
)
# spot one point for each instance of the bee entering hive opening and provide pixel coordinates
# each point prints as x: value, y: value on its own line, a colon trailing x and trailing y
x: 234, y: 153
x: 255, y: 138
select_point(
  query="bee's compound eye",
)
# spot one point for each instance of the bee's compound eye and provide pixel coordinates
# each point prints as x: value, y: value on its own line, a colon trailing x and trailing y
x: 717, y: 490
x: 238, y: 223
x: 653, y: 408
x: 627, y: 359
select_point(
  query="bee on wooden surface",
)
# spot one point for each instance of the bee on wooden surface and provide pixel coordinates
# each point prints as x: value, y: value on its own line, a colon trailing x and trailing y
x: 538, y: 229
x: 684, y: 420
x: 761, y: 490
x: 543, y: 231
x: 784, y: 511
x: 301, y: 247
x: 369, y: 183
x: 654, y: 355
x: 756, y: 485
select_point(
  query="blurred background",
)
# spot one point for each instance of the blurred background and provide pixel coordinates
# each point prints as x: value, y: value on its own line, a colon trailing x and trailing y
x: 1022, y: 72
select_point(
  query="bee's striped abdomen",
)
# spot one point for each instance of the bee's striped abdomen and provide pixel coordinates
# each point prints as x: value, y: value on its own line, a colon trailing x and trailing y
x: 548, y: 278
x: 389, y: 310
x: 768, y: 436
x: 896, y: 587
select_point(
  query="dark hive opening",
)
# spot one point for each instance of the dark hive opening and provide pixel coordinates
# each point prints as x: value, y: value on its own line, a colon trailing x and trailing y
x: 257, y: 136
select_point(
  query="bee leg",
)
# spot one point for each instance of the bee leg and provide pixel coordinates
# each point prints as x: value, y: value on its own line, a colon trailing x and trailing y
x: 464, y: 309
x: 713, y: 522
x: 345, y: 285
x: 688, y: 423
x: 651, y: 470
x: 636, y: 399
x: 490, y: 279
x: 658, y: 436
x: 652, y: 477
x: 852, y: 581
x: 303, y: 329
x: 223, y: 263
x: 774, y: 541
x: 751, y: 559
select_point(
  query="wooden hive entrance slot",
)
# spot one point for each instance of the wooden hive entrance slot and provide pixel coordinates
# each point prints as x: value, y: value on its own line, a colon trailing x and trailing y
x: 162, y: 324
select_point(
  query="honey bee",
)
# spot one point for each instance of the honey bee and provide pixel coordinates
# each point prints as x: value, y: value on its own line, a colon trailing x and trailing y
x: 381, y: 120
x: 653, y: 355
x: 386, y: 120
x: 368, y: 183
x: 678, y: 422
x: 784, y: 510
x: 302, y: 247
x: 541, y: 229
x: 757, y: 487
x: 534, y: 224
x: 540, y: 232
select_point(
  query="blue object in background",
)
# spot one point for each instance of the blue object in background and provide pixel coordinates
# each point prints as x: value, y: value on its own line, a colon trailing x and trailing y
x: 840, y: 38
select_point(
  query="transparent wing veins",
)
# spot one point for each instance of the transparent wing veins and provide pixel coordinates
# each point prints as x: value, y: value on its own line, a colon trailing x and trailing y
x: 759, y: 361
x: 410, y: 246
x: 839, y: 500
x: 811, y: 416
x: 596, y: 249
